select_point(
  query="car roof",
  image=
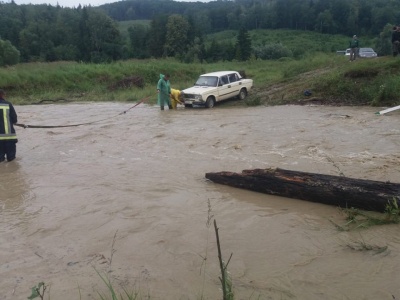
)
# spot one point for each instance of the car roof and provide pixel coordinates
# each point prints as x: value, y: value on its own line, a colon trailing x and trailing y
x: 220, y: 73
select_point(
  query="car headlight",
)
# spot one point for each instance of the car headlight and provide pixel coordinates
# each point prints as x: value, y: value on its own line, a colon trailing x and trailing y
x: 197, y: 97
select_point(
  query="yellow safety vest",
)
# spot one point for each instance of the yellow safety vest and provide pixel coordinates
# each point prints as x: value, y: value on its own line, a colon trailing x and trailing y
x: 5, y: 114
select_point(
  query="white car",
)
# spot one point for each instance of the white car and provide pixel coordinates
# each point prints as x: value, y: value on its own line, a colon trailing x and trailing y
x: 367, y: 53
x: 213, y: 87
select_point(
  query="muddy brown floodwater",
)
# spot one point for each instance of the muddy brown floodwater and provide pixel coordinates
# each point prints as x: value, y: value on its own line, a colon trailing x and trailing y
x: 140, y: 178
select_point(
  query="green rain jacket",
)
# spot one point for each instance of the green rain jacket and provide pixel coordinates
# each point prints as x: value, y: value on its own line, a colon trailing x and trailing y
x: 165, y: 89
x: 353, y: 43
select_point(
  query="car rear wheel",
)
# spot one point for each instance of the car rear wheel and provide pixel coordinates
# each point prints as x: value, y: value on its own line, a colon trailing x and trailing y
x: 210, y: 103
x: 242, y: 94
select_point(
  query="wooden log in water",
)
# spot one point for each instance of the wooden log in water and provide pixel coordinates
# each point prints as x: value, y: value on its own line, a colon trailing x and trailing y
x: 328, y: 189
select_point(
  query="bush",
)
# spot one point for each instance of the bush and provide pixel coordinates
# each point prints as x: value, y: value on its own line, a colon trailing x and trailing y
x: 387, y: 94
x: 253, y: 100
x: 272, y: 51
x: 9, y: 55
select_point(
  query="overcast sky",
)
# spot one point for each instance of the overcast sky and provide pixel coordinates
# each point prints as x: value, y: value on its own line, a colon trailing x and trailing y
x: 75, y: 3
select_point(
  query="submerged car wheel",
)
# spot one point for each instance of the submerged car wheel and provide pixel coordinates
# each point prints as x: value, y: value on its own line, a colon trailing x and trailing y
x: 210, y: 103
x: 188, y: 105
x: 242, y: 94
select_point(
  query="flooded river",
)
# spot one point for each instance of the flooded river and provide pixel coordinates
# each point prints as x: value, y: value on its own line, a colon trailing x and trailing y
x: 127, y: 198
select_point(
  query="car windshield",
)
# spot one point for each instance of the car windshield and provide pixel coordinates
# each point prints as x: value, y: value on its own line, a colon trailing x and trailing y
x: 366, y: 50
x: 207, y: 81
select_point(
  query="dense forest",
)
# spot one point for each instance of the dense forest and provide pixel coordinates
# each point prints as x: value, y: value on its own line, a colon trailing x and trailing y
x: 30, y: 33
x: 363, y: 17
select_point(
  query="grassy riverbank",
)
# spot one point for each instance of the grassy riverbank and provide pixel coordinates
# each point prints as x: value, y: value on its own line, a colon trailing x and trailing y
x: 331, y: 78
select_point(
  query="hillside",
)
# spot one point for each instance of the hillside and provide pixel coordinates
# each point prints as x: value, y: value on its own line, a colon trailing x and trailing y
x: 363, y: 82
x: 299, y: 41
x: 331, y: 78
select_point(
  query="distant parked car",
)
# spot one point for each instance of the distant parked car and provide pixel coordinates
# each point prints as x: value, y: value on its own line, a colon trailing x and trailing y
x: 367, y: 53
x: 347, y: 52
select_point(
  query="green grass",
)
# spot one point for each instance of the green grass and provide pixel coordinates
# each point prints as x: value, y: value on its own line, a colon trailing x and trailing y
x: 356, y: 219
x: 112, y: 292
x: 38, y: 291
x: 368, y: 81
x: 328, y: 76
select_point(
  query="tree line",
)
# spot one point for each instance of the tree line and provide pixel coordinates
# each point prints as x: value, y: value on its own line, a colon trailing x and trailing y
x: 45, y: 33
x: 348, y: 17
x: 48, y: 33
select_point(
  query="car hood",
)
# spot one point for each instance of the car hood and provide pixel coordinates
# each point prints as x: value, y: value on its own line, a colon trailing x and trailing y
x: 199, y: 89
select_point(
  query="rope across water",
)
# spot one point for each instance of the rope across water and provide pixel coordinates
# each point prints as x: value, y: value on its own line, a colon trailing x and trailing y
x: 81, y: 124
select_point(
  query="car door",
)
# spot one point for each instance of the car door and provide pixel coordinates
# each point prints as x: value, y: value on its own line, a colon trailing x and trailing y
x: 235, y: 84
x: 225, y: 88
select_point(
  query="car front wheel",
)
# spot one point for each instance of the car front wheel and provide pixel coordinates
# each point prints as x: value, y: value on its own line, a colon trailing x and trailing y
x: 242, y: 94
x: 210, y: 103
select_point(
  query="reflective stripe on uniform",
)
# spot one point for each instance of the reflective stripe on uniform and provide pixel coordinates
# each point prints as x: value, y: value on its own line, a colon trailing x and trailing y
x: 7, y: 135
x: 3, y: 137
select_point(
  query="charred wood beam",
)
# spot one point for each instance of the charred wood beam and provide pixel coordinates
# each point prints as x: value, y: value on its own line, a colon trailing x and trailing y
x: 327, y: 189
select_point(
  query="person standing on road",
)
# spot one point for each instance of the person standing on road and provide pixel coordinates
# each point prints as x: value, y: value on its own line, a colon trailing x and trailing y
x: 164, y: 91
x: 395, y: 40
x: 8, y: 137
x: 353, y: 48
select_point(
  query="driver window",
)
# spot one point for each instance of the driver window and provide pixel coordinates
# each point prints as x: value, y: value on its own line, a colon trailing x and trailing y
x: 232, y: 78
x: 223, y: 80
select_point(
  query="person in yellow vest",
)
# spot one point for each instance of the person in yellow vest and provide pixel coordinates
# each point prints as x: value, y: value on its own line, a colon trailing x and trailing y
x: 176, y: 97
x: 8, y: 137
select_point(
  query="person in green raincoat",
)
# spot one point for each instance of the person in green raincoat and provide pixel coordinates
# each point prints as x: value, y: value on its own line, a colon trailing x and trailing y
x: 164, y: 91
